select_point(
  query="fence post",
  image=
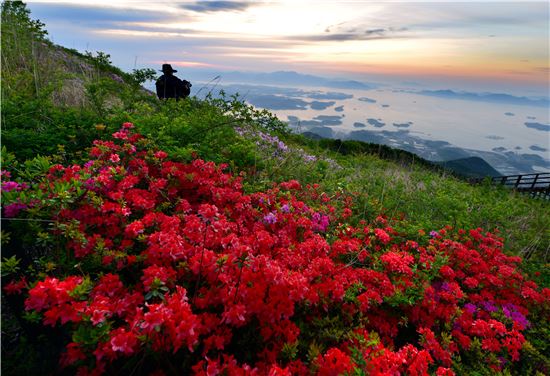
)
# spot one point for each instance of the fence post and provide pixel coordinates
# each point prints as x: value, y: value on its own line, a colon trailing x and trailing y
x: 534, y: 181
x: 518, y: 181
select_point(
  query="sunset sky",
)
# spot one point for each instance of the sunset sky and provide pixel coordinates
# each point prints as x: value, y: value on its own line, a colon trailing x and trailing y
x: 492, y: 45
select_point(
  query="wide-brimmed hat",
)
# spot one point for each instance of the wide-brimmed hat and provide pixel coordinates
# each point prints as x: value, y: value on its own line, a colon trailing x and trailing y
x: 167, y: 68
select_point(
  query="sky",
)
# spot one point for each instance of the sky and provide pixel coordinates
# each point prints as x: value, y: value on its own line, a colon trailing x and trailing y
x: 485, y: 46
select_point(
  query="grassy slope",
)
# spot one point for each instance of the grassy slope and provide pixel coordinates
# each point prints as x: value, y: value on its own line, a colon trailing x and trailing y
x: 38, y: 117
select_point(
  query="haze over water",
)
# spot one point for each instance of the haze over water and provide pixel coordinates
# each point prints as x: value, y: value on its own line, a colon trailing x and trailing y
x: 436, y: 128
x: 466, y: 125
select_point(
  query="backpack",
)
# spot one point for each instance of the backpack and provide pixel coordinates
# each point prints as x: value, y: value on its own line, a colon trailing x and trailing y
x: 185, y: 89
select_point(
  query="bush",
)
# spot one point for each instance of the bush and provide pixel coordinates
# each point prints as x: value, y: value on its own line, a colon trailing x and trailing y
x: 142, y: 264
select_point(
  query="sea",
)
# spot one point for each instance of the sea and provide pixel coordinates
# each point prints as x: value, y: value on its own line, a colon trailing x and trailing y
x: 511, y: 133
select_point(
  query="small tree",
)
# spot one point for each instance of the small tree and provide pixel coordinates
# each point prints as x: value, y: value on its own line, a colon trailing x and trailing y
x: 20, y: 37
x: 140, y: 76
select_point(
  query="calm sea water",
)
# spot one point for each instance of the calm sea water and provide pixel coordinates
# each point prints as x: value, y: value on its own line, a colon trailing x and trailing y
x: 463, y: 123
x: 427, y: 125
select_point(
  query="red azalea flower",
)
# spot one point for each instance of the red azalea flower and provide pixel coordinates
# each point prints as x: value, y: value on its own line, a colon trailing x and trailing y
x: 123, y: 341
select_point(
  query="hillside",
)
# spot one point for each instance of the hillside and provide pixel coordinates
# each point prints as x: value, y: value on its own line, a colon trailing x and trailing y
x: 202, y: 237
x: 472, y: 167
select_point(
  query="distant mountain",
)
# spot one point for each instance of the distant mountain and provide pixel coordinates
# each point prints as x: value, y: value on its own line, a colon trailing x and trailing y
x: 471, y: 167
x: 487, y: 97
x: 312, y: 136
x: 282, y: 78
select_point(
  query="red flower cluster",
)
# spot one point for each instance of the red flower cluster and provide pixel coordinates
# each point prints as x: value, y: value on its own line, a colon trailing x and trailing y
x: 184, y: 263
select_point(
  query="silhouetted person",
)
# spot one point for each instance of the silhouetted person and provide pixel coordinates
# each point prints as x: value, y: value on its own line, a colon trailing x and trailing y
x: 169, y: 86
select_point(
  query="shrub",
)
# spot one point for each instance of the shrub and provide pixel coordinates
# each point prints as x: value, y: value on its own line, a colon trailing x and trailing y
x: 147, y: 264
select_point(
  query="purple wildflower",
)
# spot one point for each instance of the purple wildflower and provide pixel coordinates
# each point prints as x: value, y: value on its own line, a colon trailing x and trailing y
x: 520, y: 320
x: 285, y: 208
x: 511, y: 312
x: 270, y: 219
x: 281, y: 145
x: 489, y: 306
x: 471, y: 308
x: 508, y: 310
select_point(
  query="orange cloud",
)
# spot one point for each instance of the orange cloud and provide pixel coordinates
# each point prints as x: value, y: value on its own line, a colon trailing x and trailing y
x: 194, y: 64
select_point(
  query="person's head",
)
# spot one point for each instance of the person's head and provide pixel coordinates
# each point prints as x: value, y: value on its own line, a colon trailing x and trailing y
x: 167, y: 69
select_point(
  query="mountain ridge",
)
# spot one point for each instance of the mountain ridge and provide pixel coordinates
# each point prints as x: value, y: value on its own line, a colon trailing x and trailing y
x: 282, y: 78
x: 486, y: 97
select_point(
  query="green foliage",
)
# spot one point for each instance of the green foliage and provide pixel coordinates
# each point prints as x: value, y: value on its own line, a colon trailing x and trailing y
x: 289, y: 351
x: 22, y: 40
x: 140, y: 76
x: 83, y: 289
x: 101, y: 59
x: 16, y: 15
x: 47, y: 130
x: 10, y: 266
x: 99, y: 92
x: 244, y: 113
x: 194, y: 128
x: 90, y: 335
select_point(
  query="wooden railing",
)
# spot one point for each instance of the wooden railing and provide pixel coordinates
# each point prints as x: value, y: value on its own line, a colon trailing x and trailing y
x: 537, y: 185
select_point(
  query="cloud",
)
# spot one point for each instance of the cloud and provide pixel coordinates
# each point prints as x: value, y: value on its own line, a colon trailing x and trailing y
x: 216, y: 6
x: 185, y: 64
x: 336, y: 37
x: 145, y: 29
x: 375, y: 31
x: 471, y: 15
x: 329, y: 28
x: 341, y: 32
x: 94, y: 15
